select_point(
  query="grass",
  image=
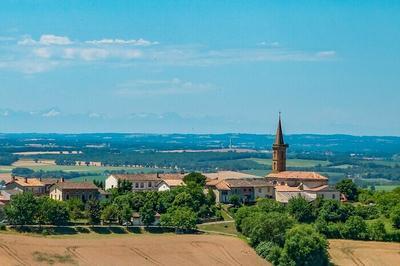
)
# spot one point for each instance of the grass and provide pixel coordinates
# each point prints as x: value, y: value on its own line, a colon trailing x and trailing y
x: 224, y: 228
x: 53, y: 258
x: 386, y: 187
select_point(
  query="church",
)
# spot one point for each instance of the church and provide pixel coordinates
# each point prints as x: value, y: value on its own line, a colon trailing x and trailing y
x: 290, y: 184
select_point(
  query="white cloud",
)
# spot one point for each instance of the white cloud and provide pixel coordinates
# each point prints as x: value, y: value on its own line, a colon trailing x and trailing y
x: 138, y: 42
x: 269, y: 44
x: 162, y: 87
x: 46, y: 39
x: 326, y: 54
x: 51, y: 113
x: 42, y: 52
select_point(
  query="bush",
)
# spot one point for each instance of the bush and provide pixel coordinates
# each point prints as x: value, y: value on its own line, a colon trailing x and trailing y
x: 355, y: 228
x: 3, y: 227
x: 305, y: 246
x: 241, y: 214
x: 376, y: 230
x: 269, y: 251
x: 395, y: 217
x: 300, y: 209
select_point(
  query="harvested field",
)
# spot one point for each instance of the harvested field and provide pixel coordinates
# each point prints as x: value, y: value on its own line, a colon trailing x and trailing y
x: 347, y: 252
x: 127, y: 250
x: 31, y: 163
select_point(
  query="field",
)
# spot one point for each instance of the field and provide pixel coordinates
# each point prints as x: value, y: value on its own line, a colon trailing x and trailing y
x: 347, y: 252
x: 127, y: 250
x: 386, y: 187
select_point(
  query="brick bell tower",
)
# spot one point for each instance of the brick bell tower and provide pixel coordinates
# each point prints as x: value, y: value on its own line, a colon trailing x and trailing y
x: 279, y: 150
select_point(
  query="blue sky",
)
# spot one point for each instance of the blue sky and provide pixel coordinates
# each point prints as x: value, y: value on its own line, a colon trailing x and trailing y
x: 200, y: 66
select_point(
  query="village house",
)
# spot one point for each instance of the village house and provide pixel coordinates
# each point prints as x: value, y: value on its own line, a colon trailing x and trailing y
x: 74, y: 190
x: 146, y: 182
x: 290, y: 184
x: 248, y: 190
x: 25, y: 184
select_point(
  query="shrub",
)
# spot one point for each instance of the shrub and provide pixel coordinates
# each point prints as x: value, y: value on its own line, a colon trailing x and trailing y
x: 269, y: 251
x: 376, y: 230
x: 300, y: 209
x: 355, y: 228
x: 395, y: 217
x: 305, y: 246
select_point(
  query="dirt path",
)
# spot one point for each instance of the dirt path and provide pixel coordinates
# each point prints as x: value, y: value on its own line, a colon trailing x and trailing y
x: 127, y: 250
x: 362, y: 253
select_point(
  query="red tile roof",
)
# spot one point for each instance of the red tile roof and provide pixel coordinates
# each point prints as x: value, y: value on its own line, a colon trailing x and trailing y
x: 297, y: 175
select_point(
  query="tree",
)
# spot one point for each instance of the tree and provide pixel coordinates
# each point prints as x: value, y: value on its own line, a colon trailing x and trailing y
x: 52, y: 212
x: 93, y: 211
x: 269, y: 251
x: 126, y: 215
x: 124, y: 186
x: 109, y: 213
x: 197, y: 178
x: 300, y: 209
x: 211, y: 198
x: 181, y: 219
x: 20, y: 171
x: 355, y: 228
x: 234, y: 200
x: 270, y: 227
x: 147, y: 214
x: 305, y: 246
x: 75, y: 208
x: 395, y: 217
x: 22, y: 209
x: 242, y: 213
x: 376, y: 230
x: 269, y: 205
x: 348, y: 188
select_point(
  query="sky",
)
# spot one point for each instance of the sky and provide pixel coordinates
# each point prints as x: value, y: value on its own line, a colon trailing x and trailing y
x: 200, y: 66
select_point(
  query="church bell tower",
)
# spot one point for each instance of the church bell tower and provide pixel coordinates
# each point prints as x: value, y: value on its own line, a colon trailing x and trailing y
x: 279, y: 150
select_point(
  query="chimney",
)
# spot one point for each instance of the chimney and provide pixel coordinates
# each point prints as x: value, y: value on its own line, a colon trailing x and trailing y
x: 40, y: 179
x: 158, y: 175
x: 12, y: 177
x: 26, y: 179
x: 62, y: 179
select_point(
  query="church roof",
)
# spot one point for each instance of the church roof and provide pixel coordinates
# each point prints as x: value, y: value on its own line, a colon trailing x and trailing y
x: 300, y: 175
x: 279, y: 134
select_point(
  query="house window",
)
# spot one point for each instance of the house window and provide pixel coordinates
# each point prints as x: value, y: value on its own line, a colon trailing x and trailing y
x: 259, y: 190
x: 141, y: 185
x: 150, y: 185
x: 333, y: 196
x: 67, y: 197
x: 136, y: 185
x: 83, y: 197
x: 90, y: 196
x: 244, y: 190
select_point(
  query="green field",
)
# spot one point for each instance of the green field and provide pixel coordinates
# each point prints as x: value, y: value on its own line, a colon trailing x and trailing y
x: 293, y: 162
x: 386, y: 187
x: 390, y: 163
x: 224, y: 228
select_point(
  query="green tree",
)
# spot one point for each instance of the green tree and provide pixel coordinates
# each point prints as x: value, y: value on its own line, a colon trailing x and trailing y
x: 300, y: 209
x: 269, y: 251
x: 348, y: 188
x: 305, y: 246
x: 124, y: 186
x: 109, y: 213
x: 269, y: 205
x: 234, y: 199
x: 197, y: 178
x: 22, y: 209
x: 52, y: 212
x: 126, y: 214
x: 94, y: 211
x: 395, y: 217
x: 376, y: 230
x: 76, y: 208
x: 211, y: 198
x: 181, y: 218
x: 355, y: 228
x: 21, y: 171
x: 242, y: 213
x: 147, y: 214
x: 270, y: 227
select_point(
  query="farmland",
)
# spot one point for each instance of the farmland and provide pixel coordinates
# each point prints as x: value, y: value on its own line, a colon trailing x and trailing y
x: 347, y: 252
x: 118, y: 250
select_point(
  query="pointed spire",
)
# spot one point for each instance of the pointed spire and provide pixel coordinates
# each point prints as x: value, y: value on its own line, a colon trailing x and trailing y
x: 279, y: 133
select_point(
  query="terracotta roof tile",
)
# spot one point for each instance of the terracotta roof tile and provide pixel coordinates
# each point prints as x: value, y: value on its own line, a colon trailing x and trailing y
x: 297, y: 175
x: 76, y: 185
